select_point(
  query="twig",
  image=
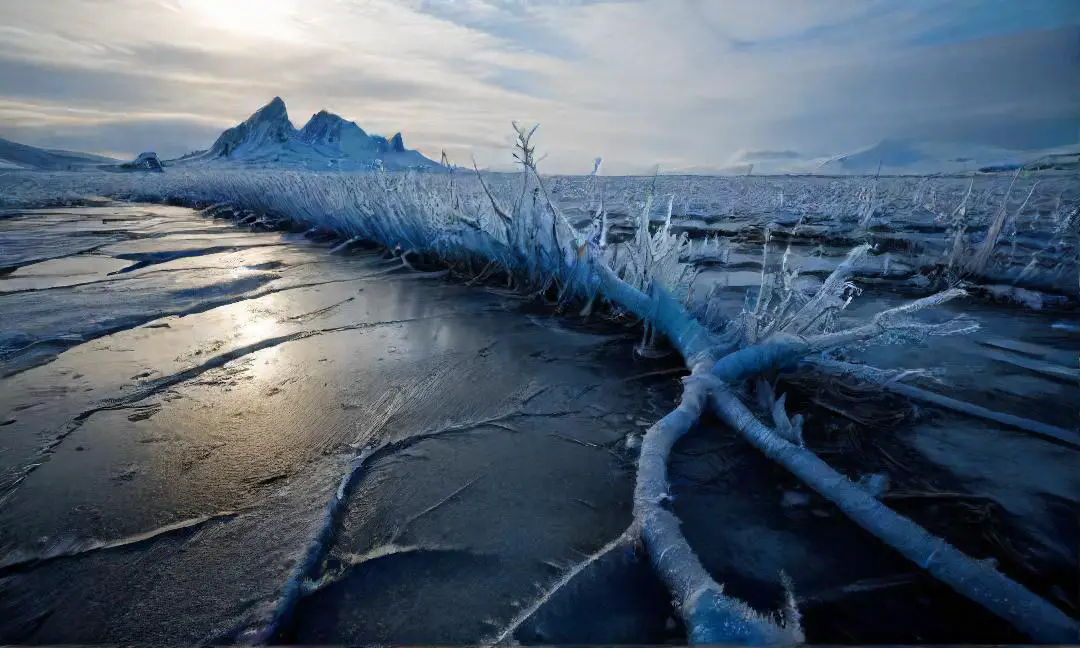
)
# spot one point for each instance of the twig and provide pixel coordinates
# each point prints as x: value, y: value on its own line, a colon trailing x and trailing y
x: 494, y: 204
x: 856, y: 588
x: 904, y: 495
x: 584, y: 503
x: 315, y: 313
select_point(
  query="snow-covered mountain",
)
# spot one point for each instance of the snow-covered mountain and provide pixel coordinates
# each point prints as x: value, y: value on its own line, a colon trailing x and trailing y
x: 1064, y: 159
x: 892, y: 157
x: 267, y: 129
x: 268, y: 138
x: 905, y: 156
x: 21, y: 156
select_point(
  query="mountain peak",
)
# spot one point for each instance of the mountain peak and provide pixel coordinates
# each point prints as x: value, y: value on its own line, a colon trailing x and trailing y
x: 326, y: 141
x: 273, y: 111
x: 267, y: 125
x: 324, y: 117
x: 327, y: 128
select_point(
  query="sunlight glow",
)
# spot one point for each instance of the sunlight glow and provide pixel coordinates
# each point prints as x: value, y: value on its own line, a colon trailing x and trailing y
x: 266, y: 19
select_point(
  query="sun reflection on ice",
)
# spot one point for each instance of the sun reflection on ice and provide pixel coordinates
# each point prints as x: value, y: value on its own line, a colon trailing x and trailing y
x: 258, y: 326
x: 256, y: 321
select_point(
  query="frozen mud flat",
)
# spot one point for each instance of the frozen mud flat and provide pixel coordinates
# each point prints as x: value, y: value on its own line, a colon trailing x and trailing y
x: 181, y: 400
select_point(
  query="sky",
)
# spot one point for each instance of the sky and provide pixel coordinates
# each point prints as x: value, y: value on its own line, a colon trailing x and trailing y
x: 682, y: 84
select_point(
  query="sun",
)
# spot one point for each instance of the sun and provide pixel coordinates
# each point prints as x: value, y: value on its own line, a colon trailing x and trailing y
x: 265, y: 19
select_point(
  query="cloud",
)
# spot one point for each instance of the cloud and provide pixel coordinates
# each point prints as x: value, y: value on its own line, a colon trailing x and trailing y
x: 680, y: 83
x: 104, y: 132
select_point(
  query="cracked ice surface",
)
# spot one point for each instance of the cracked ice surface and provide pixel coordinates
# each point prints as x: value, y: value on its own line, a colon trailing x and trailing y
x: 173, y: 433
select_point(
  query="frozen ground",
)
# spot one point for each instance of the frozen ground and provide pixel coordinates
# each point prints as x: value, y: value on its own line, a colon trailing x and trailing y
x: 181, y: 399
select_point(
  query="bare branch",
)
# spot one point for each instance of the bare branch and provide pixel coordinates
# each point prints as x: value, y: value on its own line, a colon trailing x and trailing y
x: 494, y: 203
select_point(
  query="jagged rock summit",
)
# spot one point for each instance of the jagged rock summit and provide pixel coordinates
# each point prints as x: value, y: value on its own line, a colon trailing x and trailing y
x: 269, y: 125
x: 327, y: 129
x: 397, y: 143
x: 326, y: 142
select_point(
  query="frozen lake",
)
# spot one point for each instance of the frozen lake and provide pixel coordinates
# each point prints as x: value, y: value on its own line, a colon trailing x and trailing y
x: 181, y: 398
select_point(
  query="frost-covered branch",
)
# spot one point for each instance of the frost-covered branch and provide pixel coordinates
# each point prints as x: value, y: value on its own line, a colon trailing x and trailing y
x: 890, y: 320
x: 978, y: 262
x: 834, y: 294
x: 710, y: 615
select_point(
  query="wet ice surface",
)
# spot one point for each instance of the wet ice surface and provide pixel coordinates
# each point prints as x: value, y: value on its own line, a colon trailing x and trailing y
x: 181, y: 398
x: 153, y: 491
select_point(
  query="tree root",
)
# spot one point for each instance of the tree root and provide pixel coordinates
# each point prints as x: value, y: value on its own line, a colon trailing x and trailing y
x: 728, y: 620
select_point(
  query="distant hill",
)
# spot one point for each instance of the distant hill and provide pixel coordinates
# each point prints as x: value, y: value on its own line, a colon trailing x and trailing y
x: 1069, y: 161
x: 889, y: 156
x: 327, y: 142
x: 917, y: 157
x: 894, y: 157
x: 22, y: 156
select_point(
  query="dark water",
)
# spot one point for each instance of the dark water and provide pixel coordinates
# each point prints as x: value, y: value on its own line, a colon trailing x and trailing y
x: 181, y: 400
